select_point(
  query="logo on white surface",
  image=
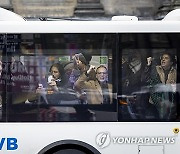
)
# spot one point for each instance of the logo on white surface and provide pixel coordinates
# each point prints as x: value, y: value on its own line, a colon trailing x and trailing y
x: 103, y: 139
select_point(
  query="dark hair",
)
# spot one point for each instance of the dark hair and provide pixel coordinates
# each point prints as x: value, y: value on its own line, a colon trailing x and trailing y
x: 171, y: 56
x: 61, y: 71
x: 82, y: 58
x: 59, y: 67
x: 87, y: 56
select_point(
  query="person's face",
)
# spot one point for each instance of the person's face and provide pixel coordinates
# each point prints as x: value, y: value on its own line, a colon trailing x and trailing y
x: 78, y: 63
x: 166, y: 61
x: 55, y: 72
x: 101, y: 74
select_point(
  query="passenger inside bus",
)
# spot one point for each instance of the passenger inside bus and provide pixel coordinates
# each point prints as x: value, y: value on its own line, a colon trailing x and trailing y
x: 58, y: 90
x: 97, y: 91
x: 81, y: 62
x: 131, y: 70
x: 150, y: 93
x: 102, y: 78
x: 162, y: 82
x: 132, y: 67
x: 81, y: 65
x: 57, y: 78
x: 75, y: 67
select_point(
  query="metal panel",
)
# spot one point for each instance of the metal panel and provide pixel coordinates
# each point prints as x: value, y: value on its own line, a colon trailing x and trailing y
x: 151, y: 149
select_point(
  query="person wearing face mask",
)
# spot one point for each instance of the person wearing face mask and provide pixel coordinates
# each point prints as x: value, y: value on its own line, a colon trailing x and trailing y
x: 162, y: 82
x: 97, y: 91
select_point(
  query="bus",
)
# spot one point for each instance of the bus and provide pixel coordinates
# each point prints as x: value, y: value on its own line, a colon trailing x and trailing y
x: 140, y: 114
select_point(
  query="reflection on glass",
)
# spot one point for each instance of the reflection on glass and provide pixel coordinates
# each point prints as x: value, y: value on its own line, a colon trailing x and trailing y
x: 149, y: 92
x: 42, y: 71
x: 1, y: 101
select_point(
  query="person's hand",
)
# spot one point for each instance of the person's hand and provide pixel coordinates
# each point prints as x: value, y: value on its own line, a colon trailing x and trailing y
x: 123, y: 60
x: 90, y: 69
x: 82, y: 96
x: 76, y: 59
x: 52, y: 83
x: 149, y: 61
x: 40, y: 89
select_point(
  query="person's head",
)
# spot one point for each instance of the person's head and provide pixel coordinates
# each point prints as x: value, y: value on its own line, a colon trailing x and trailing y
x: 68, y: 67
x: 57, y: 71
x: 87, y: 56
x: 80, y: 61
x: 102, y: 73
x: 167, y: 60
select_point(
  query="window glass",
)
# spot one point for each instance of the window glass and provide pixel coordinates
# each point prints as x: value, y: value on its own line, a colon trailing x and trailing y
x: 1, y: 87
x: 149, y: 77
x: 59, y: 77
x: 2, y: 83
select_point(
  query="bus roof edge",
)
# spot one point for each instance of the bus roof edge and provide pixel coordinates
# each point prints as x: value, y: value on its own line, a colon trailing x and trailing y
x: 124, y: 18
x: 6, y: 15
x: 173, y: 16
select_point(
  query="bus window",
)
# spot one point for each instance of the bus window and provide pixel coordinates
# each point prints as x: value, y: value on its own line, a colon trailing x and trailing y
x: 149, y: 77
x: 60, y: 77
x: 1, y: 86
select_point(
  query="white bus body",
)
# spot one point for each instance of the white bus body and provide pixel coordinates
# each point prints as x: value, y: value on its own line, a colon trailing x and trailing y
x: 115, y: 128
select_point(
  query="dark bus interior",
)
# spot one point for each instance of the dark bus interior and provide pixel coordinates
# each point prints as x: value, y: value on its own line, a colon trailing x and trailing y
x: 26, y: 60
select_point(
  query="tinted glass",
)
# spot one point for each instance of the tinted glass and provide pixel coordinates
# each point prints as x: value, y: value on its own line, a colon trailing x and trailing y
x: 52, y: 77
x: 47, y: 77
x: 149, y: 85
